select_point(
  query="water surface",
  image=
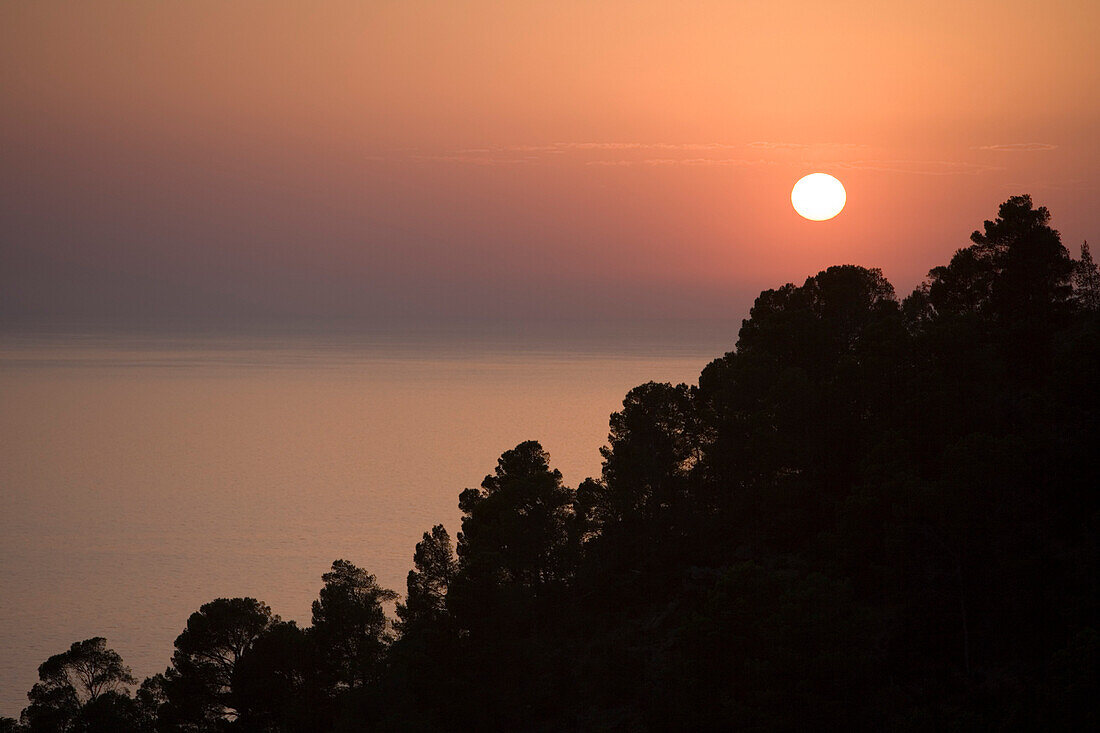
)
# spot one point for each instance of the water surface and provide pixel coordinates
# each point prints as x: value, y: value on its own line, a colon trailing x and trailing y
x: 143, y: 476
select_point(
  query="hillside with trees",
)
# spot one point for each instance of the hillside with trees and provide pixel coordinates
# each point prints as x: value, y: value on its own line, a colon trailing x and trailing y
x: 874, y: 512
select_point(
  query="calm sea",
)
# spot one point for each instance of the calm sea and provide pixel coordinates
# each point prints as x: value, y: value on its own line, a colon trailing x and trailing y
x: 143, y: 476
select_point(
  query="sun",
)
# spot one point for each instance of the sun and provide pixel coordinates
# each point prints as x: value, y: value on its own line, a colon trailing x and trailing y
x: 818, y: 196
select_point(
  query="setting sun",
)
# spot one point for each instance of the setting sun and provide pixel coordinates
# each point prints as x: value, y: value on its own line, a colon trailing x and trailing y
x: 818, y: 196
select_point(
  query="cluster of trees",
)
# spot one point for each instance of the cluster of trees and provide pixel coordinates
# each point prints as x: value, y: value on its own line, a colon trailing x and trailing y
x: 871, y: 513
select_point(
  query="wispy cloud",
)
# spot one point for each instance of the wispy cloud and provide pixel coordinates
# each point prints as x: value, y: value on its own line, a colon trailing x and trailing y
x: 765, y: 145
x: 657, y: 162
x: 920, y: 167
x: 1018, y: 147
x: 472, y: 158
x: 699, y: 155
x: 600, y: 153
x: 593, y: 153
x: 567, y: 146
x: 778, y: 146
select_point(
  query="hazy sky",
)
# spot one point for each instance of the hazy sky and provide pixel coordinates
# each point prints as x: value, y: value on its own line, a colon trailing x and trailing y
x: 405, y: 162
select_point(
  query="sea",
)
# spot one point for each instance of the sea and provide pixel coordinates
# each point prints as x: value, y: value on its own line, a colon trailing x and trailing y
x: 144, y: 473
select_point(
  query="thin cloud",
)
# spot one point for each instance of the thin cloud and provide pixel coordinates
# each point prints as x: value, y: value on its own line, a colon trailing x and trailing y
x: 564, y: 146
x: 644, y: 146
x: 920, y: 167
x: 600, y: 153
x: 778, y: 146
x: 765, y: 145
x: 698, y: 162
x: 1019, y: 147
x: 473, y: 159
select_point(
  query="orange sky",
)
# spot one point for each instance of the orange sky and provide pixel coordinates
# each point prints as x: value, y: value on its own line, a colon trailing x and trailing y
x: 404, y: 161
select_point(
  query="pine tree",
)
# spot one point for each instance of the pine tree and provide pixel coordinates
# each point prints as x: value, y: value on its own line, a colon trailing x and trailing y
x: 1086, y: 281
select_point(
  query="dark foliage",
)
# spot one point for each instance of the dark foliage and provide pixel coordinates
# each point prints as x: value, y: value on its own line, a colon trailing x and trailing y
x: 349, y: 625
x: 83, y: 689
x: 198, y: 687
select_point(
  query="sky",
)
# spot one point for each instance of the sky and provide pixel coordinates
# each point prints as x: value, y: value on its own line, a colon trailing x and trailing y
x: 394, y: 164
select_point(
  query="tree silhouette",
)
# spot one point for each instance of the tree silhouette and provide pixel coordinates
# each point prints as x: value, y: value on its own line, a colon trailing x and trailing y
x: 435, y: 565
x: 653, y: 443
x: 276, y: 683
x: 198, y: 685
x: 515, y: 529
x: 80, y: 689
x: 644, y: 511
x: 1016, y: 268
x: 515, y: 563
x: 349, y: 624
x: 428, y: 661
x: 1086, y: 281
x: 789, y: 409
